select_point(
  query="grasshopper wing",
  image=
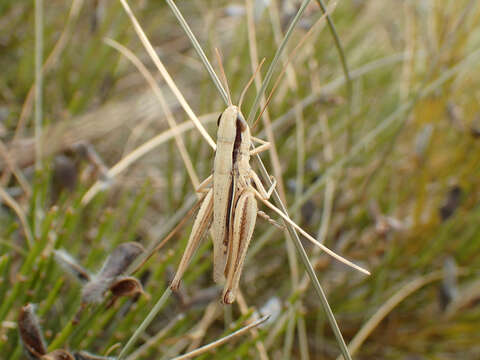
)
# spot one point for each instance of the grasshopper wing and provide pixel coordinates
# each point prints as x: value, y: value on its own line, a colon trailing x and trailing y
x: 223, y: 189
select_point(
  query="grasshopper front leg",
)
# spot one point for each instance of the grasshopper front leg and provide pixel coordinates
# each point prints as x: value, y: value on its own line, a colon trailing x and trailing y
x: 244, y: 217
x: 200, y: 226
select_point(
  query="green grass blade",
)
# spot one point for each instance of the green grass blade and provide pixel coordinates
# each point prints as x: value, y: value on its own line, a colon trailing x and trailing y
x: 275, y: 60
x: 339, y: 47
x: 198, y: 49
x: 151, y: 315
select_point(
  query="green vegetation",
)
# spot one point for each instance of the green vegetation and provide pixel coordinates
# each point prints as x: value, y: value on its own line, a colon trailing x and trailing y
x: 383, y: 170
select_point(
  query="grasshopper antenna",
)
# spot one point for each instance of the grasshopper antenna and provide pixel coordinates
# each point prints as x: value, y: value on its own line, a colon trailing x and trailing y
x: 290, y: 58
x: 224, y: 77
x: 244, y: 91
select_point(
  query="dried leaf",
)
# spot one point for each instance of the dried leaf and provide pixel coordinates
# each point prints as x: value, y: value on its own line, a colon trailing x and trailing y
x: 120, y: 259
x: 93, y: 291
x: 127, y: 286
x: 31, y: 333
x: 452, y: 202
x: 65, y: 175
x: 116, y: 263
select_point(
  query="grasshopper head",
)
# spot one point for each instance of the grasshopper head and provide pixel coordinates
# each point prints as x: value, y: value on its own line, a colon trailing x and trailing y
x: 232, y: 116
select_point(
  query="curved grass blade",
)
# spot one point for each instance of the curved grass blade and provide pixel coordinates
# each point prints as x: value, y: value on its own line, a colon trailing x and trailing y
x: 222, y: 340
x: 338, y: 45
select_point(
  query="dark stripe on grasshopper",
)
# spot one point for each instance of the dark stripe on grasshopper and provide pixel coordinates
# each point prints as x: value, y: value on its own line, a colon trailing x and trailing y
x: 236, y: 148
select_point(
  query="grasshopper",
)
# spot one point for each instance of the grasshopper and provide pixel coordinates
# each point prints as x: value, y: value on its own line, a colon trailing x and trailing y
x: 229, y: 207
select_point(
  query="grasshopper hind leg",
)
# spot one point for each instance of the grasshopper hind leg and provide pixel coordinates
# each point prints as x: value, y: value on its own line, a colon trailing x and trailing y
x: 200, y: 226
x: 243, y: 226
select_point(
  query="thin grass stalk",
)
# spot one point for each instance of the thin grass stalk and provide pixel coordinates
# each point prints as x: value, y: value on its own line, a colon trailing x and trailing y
x: 155, y: 339
x: 343, y: 61
x: 308, y: 266
x: 198, y: 332
x: 272, y: 66
x: 166, y: 76
x: 290, y: 332
x: 163, y: 104
x: 38, y: 82
x: 12, y: 167
x: 277, y: 329
x: 15, y: 206
x: 330, y: 184
x: 38, y: 107
x: 156, y: 246
x: 299, y: 184
x: 242, y: 304
x: 139, y: 152
x: 387, y: 307
x: 339, y: 47
x: 151, y: 315
x: 222, y: 340
x: 198, y: 49
x: 49, y: 62
x: 303, y: 338
x: 252, y: 44
x: 292, y: 82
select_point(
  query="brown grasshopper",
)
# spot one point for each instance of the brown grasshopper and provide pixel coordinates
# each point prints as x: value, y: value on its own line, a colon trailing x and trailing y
x: 229, y: 208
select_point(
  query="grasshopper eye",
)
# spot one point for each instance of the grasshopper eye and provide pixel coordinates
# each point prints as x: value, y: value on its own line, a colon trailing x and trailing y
x: 219, y: 117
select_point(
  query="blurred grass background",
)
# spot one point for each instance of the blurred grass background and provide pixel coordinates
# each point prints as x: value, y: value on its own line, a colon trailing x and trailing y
x: 388, y: 177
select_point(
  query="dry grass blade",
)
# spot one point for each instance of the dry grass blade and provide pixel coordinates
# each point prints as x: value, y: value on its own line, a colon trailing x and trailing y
x: 242, y: 305
x: 14, y: 169
x: 388, y: 306
x: 51, y: 60
x: 273, y: 153
x: 275, y: 60
x: 154, y: 339
x: 291, y: 56
x: 163, y: 103
x: 198, y: 48
x: 163, y: 71
x: 21, y: 215
x: 221, y: 341
x: 136, y: 154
